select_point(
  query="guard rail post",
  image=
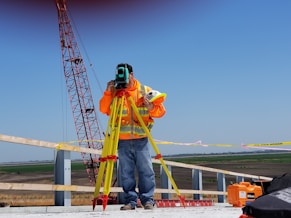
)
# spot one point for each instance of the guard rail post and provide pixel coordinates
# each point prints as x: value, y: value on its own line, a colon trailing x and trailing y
x: 239, y: 179
x: 165, y: 182
x: 221, y: 187
x: 197, y: 183
x: 62, y: 173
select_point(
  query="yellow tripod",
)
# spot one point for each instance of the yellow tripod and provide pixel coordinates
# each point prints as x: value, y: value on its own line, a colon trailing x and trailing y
x: 109, y: 151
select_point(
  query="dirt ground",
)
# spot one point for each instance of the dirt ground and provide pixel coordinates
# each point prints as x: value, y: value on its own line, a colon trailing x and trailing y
x: 181, y: 176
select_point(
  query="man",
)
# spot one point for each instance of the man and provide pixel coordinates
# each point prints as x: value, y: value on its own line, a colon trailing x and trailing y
x: 133, y: 145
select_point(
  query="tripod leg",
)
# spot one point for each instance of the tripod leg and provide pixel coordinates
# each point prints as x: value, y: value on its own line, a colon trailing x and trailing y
x: 159, y: 156
x: 105, y: 152
x: 114, y: 137
x: 100, y: 174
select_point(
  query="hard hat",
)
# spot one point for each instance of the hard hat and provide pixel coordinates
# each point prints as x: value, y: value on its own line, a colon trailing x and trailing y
x: 155, y: 96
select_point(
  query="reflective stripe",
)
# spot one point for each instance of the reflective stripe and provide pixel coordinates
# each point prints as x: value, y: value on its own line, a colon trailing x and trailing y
x: 130, y: 127
x: 124, y: 112
x: 142, y: 89
x: 143, y: 111
x: 137, y: 130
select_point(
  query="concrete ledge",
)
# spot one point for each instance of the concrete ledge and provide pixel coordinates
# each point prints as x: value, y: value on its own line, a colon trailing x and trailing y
x: 75, y: 209
x: 112, y: 211
x: 57, y: 209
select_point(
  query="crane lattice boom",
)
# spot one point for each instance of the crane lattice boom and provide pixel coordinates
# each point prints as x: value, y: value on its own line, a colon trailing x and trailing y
x: 79, y: 92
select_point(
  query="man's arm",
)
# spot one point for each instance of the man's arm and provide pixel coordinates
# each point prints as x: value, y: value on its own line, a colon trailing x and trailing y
x: 158, y: 111
x: 105, y: 102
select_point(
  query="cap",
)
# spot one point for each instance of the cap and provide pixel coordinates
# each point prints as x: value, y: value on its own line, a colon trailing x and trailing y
x: 125, y: 65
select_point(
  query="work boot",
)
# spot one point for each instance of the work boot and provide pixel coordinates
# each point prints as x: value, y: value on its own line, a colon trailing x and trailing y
x: 127, y: 207
x: 148, y: 206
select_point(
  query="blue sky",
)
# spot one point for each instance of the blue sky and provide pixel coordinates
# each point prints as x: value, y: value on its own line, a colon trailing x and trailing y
x: 225, y: 66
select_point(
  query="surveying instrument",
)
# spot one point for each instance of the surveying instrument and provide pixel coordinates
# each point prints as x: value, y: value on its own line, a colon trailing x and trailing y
x: 109, y: 151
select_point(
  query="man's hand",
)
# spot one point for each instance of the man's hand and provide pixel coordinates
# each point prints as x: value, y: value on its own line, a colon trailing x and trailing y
x: 149, y: 105
x: 110, y: 86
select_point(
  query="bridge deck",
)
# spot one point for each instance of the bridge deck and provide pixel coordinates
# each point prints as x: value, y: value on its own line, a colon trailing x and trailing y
x: 219, y: 210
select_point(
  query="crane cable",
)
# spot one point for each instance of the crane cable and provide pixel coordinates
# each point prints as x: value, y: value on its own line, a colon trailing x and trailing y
x: 90, y: 63
x: 86, y: 54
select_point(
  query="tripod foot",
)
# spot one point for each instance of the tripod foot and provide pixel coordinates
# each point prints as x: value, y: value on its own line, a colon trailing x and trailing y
x: 182, y: 199
x: 105, y: 201
x: 94, y: 202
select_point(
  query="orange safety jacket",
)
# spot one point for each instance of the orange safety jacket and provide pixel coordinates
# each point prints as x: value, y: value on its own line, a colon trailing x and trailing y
x: 130, y: 126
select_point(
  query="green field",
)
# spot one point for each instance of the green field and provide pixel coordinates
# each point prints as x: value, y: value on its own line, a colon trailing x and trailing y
x: 197, y: 159
x: 36, y: 167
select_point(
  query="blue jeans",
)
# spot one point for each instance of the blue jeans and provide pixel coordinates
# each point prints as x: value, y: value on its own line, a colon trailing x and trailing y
x: 134, y: 155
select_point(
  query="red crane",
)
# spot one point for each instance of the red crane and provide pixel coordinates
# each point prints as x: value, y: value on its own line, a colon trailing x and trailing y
x: 79, y: 92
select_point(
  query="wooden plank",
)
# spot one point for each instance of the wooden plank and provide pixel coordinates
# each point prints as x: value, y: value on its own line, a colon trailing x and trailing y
x: 191, y: 166
x: 58, y: 146
x: 75, y: 188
